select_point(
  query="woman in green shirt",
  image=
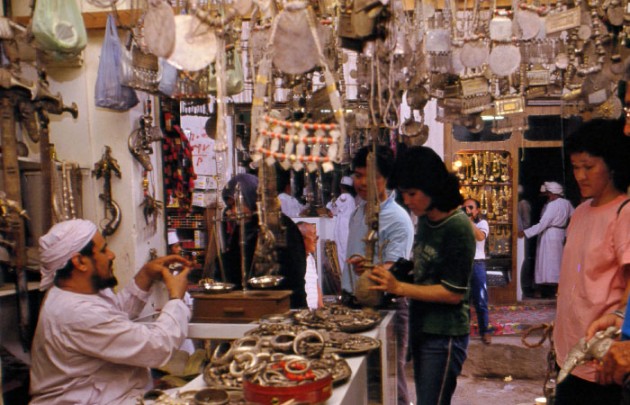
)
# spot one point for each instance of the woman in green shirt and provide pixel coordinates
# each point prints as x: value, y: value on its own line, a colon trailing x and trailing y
x: 443, y: 253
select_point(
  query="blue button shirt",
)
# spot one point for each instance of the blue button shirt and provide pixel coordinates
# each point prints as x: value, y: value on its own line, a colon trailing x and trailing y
x: 395, y: 236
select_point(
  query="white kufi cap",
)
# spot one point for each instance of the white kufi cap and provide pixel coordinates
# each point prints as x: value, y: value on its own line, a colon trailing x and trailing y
x: 172, y: 237
x: 60, y: 244
x: 347, y: 181
x: 554, y: 188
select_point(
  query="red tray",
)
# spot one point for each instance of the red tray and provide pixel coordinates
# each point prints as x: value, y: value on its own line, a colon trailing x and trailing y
x: 314, y: 393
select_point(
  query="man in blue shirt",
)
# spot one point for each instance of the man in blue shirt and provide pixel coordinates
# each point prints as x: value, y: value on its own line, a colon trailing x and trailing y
x: 395, y: 240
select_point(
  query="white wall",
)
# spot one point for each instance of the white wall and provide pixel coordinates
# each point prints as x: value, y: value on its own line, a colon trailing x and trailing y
x: 83, y: 140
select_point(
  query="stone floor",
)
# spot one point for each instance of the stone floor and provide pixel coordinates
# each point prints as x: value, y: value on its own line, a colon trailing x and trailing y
x: 505, y: 373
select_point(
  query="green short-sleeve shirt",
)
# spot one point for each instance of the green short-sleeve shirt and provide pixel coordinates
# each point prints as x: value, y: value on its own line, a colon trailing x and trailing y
x: 443, y: 254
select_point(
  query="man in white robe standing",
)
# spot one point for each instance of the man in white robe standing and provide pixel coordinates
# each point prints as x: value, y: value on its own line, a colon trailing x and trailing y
x: 552, y: 231
x: 87, y: 349
x: 342, y: 208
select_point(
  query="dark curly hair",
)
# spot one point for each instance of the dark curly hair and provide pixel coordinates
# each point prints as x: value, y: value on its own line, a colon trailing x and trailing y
x: 604, y: 139
x: 421, y: 168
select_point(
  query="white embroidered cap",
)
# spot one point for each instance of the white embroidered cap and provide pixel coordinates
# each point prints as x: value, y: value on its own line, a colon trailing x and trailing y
x: 60, y: 244
x: 554, y: 188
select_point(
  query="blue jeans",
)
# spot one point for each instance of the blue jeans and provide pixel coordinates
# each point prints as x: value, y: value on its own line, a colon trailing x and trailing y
x: 479, y: 295
x: 437, y: 361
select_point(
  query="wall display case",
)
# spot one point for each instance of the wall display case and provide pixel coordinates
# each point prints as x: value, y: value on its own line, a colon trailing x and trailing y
x: 486, y: 176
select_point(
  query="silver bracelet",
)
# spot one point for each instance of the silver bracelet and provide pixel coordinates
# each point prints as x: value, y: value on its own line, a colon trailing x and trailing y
x: 621, y: 314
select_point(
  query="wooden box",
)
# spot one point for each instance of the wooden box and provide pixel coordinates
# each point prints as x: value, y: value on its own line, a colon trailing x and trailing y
x: 239, y: 306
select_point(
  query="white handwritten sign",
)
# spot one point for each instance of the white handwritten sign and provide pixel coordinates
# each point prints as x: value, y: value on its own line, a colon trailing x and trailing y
x: 202, y: 145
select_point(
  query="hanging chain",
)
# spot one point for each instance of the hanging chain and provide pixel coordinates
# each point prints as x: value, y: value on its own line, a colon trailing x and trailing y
x: 551, y: 376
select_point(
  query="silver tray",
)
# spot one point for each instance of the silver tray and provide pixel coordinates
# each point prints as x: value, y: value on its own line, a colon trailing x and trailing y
x: 216, y: 287
x: 265, y: 281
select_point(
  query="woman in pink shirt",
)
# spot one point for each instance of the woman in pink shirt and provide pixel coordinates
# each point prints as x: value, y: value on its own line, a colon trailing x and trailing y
x: 595, y: 273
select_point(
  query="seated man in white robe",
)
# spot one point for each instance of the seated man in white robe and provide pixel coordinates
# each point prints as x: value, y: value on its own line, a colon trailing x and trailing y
x: 87, y: 349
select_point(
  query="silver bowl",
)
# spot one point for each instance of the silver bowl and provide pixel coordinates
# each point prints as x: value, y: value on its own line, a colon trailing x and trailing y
x: 266, y: 281
x: 217, y: 287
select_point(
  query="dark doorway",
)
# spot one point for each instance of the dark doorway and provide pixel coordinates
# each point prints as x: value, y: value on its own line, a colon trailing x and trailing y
x: 537, y: 165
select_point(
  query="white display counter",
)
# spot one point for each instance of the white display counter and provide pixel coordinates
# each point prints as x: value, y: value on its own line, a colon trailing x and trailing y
x: 353, y: 392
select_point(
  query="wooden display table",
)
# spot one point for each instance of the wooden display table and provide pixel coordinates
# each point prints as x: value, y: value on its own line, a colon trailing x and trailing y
x: 353, y: 392
x: 239, y: 306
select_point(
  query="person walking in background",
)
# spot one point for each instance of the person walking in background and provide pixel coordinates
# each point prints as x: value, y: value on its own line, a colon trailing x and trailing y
x: 595, y: 276
x: 443, y: 254
x: 551, y: 230
x: 314, y: 296
x: 478, y: 287
x: 341, y: 208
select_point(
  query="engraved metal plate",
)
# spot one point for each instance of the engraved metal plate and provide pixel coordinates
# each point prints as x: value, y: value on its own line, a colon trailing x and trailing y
x: 438, y: 40
x: 507, y: 106
x: 584, y: 32
x: 564, y: 20
x: 474, y: 87
x: 529, y: 24
x: 615, y: 15
x: 500, y: 29
x: 538, y: 77
x: 474, y: 54
x: 469, y: 105
x: 504, y: 59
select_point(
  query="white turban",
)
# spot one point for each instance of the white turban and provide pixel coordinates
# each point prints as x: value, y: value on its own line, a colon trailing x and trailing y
x: 347, y: 181
x: 554, y: 188
x: 62, y: 241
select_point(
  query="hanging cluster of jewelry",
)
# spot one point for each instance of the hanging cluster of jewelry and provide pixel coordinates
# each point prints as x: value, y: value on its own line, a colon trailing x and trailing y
x: 564, y: 51
x: 286, y: 142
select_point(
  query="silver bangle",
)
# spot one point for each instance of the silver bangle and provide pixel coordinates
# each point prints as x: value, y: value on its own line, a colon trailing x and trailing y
x: 621, y: 314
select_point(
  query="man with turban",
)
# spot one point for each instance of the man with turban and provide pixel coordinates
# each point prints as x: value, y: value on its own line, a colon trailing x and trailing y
x: 342, y: 208
x: 291, y: 254
x: 86, y: 347
x: 552, y: 230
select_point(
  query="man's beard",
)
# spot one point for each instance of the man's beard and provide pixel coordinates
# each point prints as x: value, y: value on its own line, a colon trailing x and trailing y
x: 99, y: 283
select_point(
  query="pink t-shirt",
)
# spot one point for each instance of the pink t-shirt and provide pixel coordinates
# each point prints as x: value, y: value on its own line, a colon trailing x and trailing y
x: 591, y: 281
